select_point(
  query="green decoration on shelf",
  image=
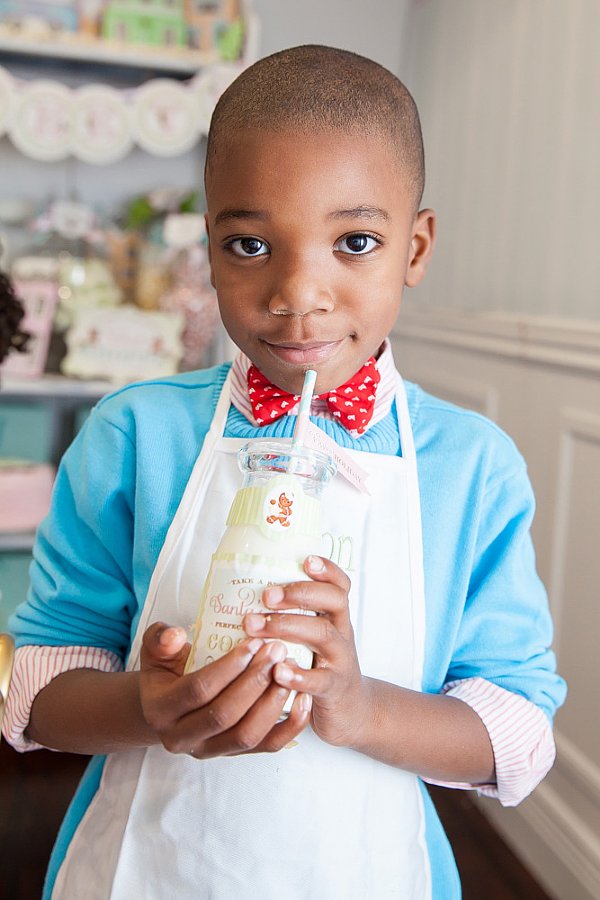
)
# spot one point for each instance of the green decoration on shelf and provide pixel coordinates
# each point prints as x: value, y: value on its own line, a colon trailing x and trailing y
x: 230, y: 41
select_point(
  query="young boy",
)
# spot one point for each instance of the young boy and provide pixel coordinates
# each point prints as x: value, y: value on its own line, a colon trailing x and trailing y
x: 431, y: 647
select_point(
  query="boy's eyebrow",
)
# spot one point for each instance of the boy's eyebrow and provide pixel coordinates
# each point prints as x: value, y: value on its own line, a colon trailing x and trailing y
x: 230, y: 213
x: 356, y: 212
x: 361, y: 212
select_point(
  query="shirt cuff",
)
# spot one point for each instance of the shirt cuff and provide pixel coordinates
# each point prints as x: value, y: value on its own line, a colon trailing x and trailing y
x: 520, y: 734
x: 34, y: 667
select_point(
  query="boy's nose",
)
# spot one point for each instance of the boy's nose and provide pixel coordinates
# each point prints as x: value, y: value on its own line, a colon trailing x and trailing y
x: 300, y: 291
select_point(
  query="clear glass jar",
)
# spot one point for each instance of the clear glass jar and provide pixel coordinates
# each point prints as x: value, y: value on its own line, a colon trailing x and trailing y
x: 274, y: 523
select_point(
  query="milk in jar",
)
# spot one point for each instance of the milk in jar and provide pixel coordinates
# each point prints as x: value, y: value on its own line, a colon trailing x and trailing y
x: 274, y: 523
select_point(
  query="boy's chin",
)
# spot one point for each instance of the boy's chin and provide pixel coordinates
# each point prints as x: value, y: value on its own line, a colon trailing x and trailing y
x: 328, y: 378
x: 286, y: 367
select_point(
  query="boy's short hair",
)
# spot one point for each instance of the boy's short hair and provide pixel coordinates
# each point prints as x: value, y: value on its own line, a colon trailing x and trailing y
x: 316, y: 88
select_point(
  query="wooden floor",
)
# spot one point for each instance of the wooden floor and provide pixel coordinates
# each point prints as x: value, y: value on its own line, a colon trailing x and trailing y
x: 35, y: 789
x: 488, y: 869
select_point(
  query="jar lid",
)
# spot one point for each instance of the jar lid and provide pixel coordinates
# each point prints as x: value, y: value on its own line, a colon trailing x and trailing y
x: 280, y: 455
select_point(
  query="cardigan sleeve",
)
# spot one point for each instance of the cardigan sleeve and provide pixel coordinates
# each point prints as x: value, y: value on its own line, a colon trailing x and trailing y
x: 489, y: 627
x: 505, y: 632
x: 81, y: 581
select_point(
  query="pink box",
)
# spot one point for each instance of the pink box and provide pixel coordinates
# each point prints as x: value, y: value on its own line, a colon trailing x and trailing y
x: 25, y: 492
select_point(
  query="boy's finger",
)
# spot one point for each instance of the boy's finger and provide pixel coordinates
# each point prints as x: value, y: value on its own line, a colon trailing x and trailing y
x: 260, y: 731
x: 324, y: 598
x: 196, y: 689
x: 321, y: 569
x: 163, y: 646
x: 217, y: 716
x: 233, y: 703
x: 318, y: 633
x: 249, y: 733
x: 171, y: 696
x: 283, y: 735
x: 316, y: 682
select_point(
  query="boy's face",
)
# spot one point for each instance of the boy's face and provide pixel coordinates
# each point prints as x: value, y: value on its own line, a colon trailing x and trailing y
x: 312, y: 240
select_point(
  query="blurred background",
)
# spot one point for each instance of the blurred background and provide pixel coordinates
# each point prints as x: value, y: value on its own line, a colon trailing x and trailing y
x: 100, y: 223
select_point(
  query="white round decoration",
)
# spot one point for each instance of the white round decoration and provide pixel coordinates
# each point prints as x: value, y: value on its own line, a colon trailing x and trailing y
x: 6, y: 97
x: 41, y: 123
x: 48, y: 121
x: 165, y: 117
x: 101, y: 125
x: 207, y: 87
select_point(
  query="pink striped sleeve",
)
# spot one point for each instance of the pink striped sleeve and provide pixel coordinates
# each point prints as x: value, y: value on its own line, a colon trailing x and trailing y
x: 520, y: 734
x: 34, y: 668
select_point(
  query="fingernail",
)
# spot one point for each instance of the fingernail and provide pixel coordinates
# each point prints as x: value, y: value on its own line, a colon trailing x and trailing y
x: 277, y: 652
x: 273, y: 595
x: 254, y: 623
x: 174, y: 632
x: 284, y: 673
x: 306, y: 702
x: 254, y: 645
x: 316, y: 564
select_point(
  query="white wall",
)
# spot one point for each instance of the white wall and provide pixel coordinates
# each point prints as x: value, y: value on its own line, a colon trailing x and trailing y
x: 508, y: 322
x: 541, y: 383
x: 508, y: 93
x: 373, y: 29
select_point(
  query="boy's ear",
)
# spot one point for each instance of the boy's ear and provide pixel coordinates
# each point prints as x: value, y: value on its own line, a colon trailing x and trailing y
x: 421, y: 247
x: 212, y: 277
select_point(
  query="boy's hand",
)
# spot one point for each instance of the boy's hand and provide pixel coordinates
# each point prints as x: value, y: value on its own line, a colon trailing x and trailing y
x: 339, y: 691
x: 228, y: 707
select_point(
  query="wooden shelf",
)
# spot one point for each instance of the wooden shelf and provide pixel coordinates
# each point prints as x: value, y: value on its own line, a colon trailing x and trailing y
x: 18, y: 540
x: 182, y: 61
x: 54, y: 386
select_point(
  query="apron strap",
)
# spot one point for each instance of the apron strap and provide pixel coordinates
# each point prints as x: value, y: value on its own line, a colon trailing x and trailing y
x: 415, y: 532
x: 217, y: 426
x: 200, y: 473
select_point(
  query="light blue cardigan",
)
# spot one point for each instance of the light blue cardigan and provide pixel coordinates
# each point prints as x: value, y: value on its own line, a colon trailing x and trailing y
x: 120, y: 483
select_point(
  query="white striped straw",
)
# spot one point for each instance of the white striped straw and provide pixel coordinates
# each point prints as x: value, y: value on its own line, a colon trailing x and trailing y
x: 304, y: 409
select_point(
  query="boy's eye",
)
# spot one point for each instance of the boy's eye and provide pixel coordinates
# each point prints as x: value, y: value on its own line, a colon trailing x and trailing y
x: 248, y: 246
x: 356, y: 244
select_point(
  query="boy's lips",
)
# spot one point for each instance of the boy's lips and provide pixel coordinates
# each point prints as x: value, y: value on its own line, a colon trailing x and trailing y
x: 304, y: 353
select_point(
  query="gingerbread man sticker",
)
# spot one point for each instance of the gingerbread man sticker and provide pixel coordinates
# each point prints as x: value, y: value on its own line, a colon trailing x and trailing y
x: 285, y: 511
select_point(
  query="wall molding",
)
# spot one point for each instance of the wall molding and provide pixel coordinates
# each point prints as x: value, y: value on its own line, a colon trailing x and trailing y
x: 577, y: 768
x: 563, y: 343
x: 478, y: 395
x: 575, y: 425
x: 543, y: 376
x: 560, y: 835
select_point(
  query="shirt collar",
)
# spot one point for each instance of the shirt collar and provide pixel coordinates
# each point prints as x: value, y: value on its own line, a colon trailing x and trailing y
x: 384, y: 397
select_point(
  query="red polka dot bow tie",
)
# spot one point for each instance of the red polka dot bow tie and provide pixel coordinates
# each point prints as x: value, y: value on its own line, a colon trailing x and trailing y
x: 351, y: 404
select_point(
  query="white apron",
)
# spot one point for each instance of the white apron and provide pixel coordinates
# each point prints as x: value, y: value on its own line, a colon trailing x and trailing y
x: 314, y: 822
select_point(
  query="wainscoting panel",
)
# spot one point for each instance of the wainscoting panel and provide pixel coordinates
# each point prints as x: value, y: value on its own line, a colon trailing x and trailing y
x: 540, y: 380
x: 483, y: 398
